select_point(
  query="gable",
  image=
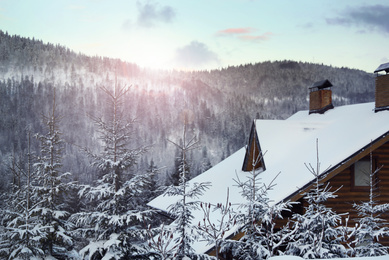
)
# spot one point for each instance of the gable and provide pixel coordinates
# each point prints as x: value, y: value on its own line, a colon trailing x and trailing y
x: 253, y: 158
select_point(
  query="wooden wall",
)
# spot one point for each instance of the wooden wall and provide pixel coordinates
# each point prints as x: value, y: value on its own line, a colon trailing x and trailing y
x: 253, y: 153
x: 347, y: 195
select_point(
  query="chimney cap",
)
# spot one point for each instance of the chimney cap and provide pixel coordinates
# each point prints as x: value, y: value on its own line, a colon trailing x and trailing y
x: 321, y: 84
x: 384, y: 66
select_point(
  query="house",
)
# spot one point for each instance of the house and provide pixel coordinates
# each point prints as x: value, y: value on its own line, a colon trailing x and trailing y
x: 346, y: 135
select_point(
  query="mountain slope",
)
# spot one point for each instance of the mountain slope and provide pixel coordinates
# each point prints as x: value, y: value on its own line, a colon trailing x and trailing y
x: 221, y: 103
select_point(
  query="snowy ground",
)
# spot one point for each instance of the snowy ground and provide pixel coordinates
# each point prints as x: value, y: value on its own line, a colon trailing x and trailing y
x: 289, y: 257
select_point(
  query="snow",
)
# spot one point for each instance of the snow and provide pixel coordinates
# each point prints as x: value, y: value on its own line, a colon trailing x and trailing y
x: 286, y: 257
x: 289, y: 144
x: 289, y: 257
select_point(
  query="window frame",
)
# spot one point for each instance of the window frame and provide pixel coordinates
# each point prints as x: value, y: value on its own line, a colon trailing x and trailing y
x: 352, y: 168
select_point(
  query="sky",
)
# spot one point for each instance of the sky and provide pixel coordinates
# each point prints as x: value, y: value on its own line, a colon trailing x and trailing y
x: 209, y: 34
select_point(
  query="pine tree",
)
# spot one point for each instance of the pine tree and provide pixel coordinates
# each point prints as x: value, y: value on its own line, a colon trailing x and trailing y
x: 206, y: 164
x: 23, y: 230
x: 161, y: 241
x: 258, y: 219
x: 112, y: 217
x: 319, y: 232
x: 186, y: 202
x: 370, y: 227
x: 214, y: 231
x: 178, y: 162
x: 51, y: 187
x: 38, y: 224
x: 152, y: 171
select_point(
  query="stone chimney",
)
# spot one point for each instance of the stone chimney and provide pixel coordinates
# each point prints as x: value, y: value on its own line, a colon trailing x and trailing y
x: 382, y: 88
x: 320, y: 97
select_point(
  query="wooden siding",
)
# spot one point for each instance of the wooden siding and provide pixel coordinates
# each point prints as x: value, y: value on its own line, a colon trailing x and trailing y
x: 340, y: 178
x: 382, y: 91
x: 347, y: 195
x: 253, y: 153
x: 345, y: 164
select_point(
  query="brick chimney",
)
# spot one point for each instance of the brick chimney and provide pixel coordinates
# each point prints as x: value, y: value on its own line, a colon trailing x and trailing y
x: 320, y: 97
x: 382, y: 88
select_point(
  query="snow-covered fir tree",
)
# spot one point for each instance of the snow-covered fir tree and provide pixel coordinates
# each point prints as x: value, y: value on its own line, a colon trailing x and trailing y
x: 174, y: 177
x: 37, y: 211
x: 112, y: 216
x: 205, y: 164
x: 186, y: 203
x: 161, y: 241
x: 23, y: 229
x: 257, y: 218
x: 370, y: 226
x: 319, y: 232
x: 152, y: 173
x: 51, y: 187
x: 214, y: 231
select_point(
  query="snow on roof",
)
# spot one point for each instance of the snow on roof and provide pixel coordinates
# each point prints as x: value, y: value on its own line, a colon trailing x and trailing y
x: 321, y: 84
x: 288, y: 145
x: 289, y: 257
x: 384, y: 66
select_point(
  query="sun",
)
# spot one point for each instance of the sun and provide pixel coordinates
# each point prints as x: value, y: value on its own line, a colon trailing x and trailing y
x: 150, y: 55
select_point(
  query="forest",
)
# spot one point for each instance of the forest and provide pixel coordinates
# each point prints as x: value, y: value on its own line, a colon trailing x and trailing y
x: 53, y: 97
x: 222, y: 103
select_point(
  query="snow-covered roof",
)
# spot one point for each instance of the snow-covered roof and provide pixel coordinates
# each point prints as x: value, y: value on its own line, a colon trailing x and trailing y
x: 384, y: 66
x: 288, y: 145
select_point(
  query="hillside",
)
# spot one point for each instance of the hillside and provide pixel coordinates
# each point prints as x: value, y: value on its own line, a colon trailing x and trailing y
x: 222, y: 103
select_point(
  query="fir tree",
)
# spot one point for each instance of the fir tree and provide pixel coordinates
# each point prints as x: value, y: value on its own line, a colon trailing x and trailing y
x: 186, y: 203
x: 205, y: 164
x: 112, y: 217
x: 23, y: 230
x: 214, y: 231
x: 152, y: 189
x: 161, y: 241
x: 178, y: 163
x: 319, y: 234
x: 370, y: 226
x: 51, y: 187
x: 257, y: 218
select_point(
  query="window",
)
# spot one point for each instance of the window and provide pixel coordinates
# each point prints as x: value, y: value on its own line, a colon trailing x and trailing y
x: 362, y: 174
x: 360, y: 179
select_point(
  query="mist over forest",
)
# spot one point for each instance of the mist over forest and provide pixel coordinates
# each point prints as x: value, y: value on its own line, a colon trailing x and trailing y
x: 219, y: 104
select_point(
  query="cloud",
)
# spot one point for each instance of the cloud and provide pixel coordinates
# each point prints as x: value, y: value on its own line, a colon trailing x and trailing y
x: 264, y: 37
x: 244, y: 33
x: 307, y: 25
x: 233, y: 31
x: 373, y: 17
x: 127, y: 24
x: 152, y: 13
x: 195, y: 55
x: 384, y: 60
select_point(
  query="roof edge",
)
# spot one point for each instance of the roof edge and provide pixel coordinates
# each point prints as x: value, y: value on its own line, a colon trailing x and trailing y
x: 335, y: 170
